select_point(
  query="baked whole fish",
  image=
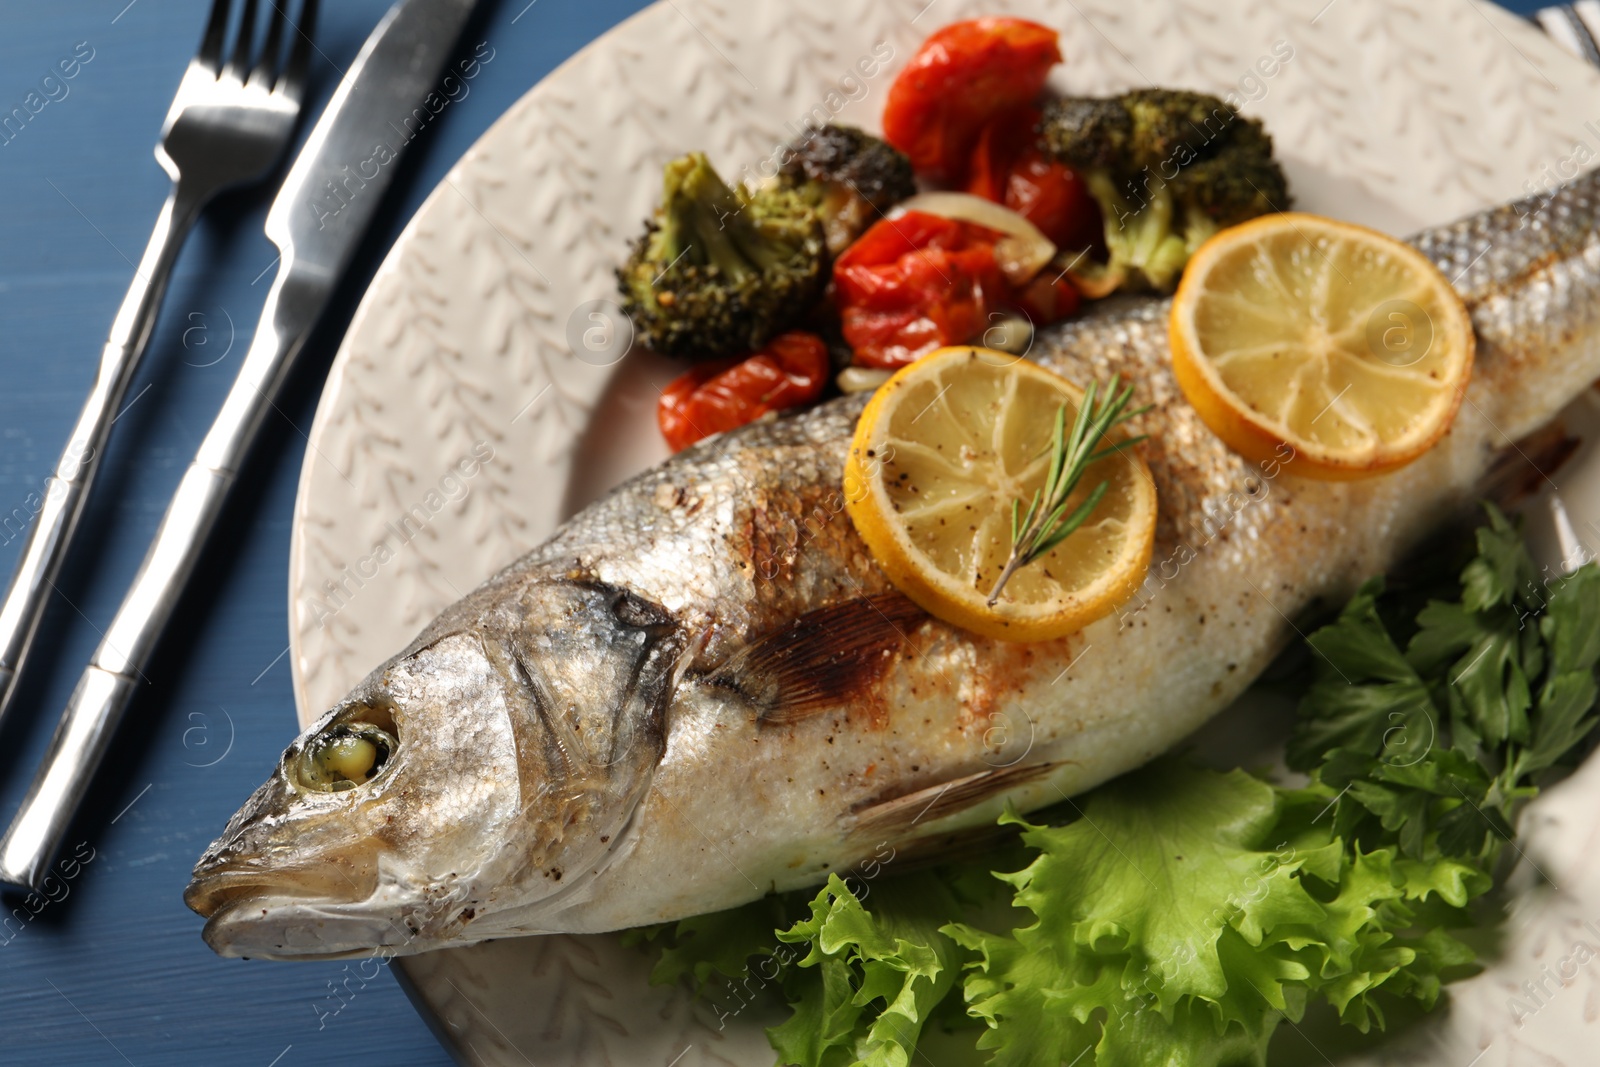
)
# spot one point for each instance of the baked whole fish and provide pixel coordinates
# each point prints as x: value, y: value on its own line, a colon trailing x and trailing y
x: 702, y: 689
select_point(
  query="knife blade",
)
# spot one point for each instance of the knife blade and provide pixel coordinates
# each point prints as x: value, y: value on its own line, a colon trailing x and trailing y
x: 323, y: 209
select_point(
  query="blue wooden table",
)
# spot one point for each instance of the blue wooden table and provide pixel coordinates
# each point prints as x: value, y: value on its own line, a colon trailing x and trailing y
x: 114, y: 971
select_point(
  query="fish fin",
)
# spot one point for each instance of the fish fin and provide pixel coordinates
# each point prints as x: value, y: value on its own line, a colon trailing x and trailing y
x: 1522, y: 469
x: 934, y: 850
x: 820, y: 659
x: 896, y: 816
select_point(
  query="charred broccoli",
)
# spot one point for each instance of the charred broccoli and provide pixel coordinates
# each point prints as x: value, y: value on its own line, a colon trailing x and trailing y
x: 1169, y: 168
x: 719, y: 272
x: 849, y: 176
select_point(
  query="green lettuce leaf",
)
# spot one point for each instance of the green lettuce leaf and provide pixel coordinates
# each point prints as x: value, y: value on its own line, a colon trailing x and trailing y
x: 882, y: 972
x: 722, y: 944
x: 1189, y: 912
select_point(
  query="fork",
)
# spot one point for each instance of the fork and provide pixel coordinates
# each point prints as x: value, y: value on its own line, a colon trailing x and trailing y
x: 229, y: 122
x: 1574, y: 27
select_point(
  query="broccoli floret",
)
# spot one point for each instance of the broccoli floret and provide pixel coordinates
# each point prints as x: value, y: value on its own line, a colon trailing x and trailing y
x: 851, y: 177
x: 1087, y: 132
x: 1238, y: 181
x: 1166, y: 122
x: 1169, y: 168
x: 720, y: 272
x: 1138, y: 129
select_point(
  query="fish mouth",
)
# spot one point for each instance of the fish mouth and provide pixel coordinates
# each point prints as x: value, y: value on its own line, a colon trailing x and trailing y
x: 212, y: 892
x: 272, y: 927
x: 263, y: 923
x: 316, y: 910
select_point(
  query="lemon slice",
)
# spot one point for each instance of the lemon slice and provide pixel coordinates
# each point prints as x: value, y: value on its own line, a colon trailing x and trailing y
x: 1330, y: 348
x: 940, y: 453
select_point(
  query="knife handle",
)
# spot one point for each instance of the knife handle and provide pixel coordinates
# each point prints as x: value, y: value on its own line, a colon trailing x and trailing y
x: 108, y: 684
x: 68, y: 486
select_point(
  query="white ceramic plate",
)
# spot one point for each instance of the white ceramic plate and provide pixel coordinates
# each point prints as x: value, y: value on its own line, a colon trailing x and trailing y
x: 489, y: 332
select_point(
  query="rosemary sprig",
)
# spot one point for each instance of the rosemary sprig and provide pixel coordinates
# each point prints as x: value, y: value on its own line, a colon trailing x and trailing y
x: 1047, y: 523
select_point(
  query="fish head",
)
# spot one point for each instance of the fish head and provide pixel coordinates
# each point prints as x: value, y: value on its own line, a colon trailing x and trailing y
x: 473, y: 783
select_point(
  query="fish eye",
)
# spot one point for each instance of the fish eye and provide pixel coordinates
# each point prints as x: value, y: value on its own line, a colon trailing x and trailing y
x: 344, y: 755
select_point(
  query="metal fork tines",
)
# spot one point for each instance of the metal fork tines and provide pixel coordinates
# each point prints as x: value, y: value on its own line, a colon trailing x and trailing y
x: 1575, y: 27
x: 231, y: 119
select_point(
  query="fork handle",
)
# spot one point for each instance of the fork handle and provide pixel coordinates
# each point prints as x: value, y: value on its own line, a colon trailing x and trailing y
x: 107, y: 685
x: 68, y: 485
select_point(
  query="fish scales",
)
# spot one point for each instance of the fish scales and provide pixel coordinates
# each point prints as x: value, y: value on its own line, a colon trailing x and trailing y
x: 702, y: 689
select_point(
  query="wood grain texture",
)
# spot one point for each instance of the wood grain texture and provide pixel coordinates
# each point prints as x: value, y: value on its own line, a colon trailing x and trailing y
x: 115, y: 972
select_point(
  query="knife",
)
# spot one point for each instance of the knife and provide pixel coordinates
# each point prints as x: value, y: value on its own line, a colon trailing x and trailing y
x: 326, y: 203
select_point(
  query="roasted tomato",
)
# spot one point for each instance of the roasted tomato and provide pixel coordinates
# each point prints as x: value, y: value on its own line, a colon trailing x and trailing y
x: 1048, y: 297
x: 963, y: 76
x: 1008, y: 168
x: 915, y: 283
x: 792, y: 369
